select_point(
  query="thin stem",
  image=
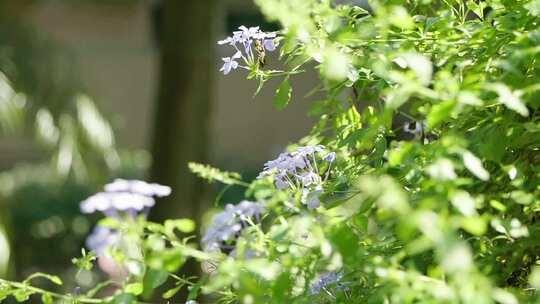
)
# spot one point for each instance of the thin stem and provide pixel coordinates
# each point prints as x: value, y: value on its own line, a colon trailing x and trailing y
x: 52, y: 294
x: 407, y: 115
x: 182, y: 280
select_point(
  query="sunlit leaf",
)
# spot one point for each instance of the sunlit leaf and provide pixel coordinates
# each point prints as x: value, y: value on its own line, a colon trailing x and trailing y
x: 283, y: 95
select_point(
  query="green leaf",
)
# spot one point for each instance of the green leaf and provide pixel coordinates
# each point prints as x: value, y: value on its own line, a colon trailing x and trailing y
x: 534, y: 278
x: 464, y: 203
x: 440, y: 112
x: 533, y: 7
x: 124, y: 298
x: 281, y: 287
x: 510, y: 99
x: 22, y: 294
x: 473, y: 164
x: 46, y: 298
x: 497, y: 205
x: 504, y: 297
x: 134, y: 288
x: 264, y: 268
x: 195, y: 289
x: 360, y: 221
x: 474, y: 225
x: 283, y: 95
x: 419, y: 64
x: 171, y: 292
x: 401, y: 18
x: 335, y: 65
x: 346, y: 242
x: 5, y: 291
x: 153, y: 279
x: 184, y: 225
x: 212, y: 174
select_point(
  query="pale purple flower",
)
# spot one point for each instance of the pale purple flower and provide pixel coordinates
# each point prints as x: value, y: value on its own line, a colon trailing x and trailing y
x: 228, y: 224
x: 311, y: 198
x: 298, y: 166
x: 330, y: 157
x: 263, y: 35
x: 269, y: 45
x: 138, y: 187
x: 247, y: 209
x: 247, y: 33
x: 116, y: 201
x: 309, y: 150
x: 127, y: 196
x: 246, y: 36
x: 324, y: 281
x: 287, y: 162
x: 299, y: 170
x: 228, y: 40
x: 242, y: 41
x: 310, y: 178
x: 268, y: 40
x: 281, y: 181
x: 101, y: 238
x: 230, y: 63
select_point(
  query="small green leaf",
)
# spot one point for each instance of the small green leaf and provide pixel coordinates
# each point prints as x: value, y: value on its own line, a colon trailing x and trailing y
x: 23, y: 294
x: 153, y: 279
x: 171, y: 292
x: 134, y: 288
x: 419, y: 64
x: 440, y: 112
x: 283, y: 95
x: 504, y: 297
x: 124, y: 298
x: 534, y: 277
x: 474, y: 225
x: 195, y: 289
x: 360, y: 221
x: 46, y: 298
x: 184, y: 225
x: 510, y: 99
x: 497, y: 205
x: 533, y: 7
x: 473, y: 164
x: 5, y: 291
x: 212, y: 174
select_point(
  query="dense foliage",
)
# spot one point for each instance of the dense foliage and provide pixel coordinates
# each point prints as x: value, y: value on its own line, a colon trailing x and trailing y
x: 418, y: 183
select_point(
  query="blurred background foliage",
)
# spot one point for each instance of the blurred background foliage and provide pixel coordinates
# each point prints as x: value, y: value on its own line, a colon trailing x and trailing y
x: 59, y: 143
x: 42, y: 101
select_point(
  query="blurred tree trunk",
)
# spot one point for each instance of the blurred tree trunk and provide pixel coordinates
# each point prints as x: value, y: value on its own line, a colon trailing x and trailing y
x: 184, y: 97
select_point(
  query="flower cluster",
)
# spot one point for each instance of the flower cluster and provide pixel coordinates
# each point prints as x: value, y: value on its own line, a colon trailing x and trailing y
x: 244, y: 41
x: 227, y: 225
x: 301, y: 169
x: 129, y: 196
x: 121, y: 197
x: 101, y: 238
x: 324, y: 281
